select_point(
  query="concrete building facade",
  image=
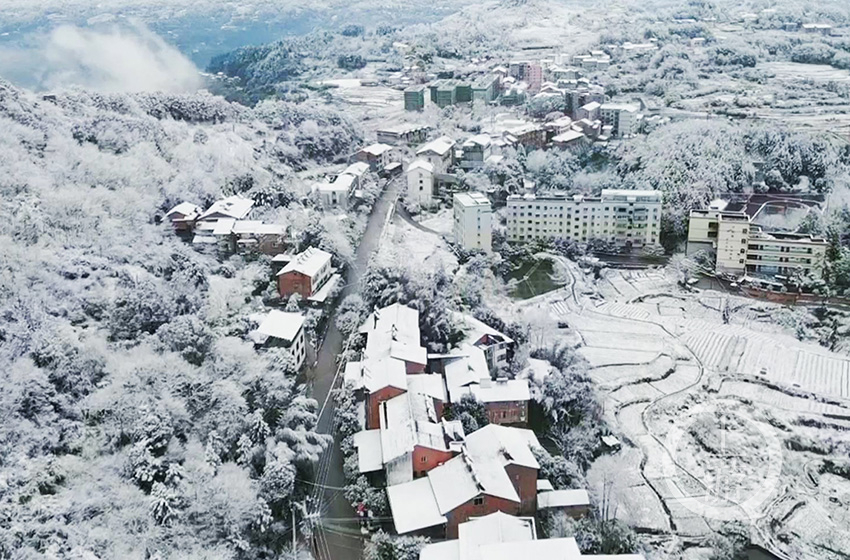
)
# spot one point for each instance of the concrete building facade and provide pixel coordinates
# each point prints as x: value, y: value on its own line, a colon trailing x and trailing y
x: 420, y: 183
x: 623, y: 118
x: 414, y: 98
x: 627, y: 219
x: 473, y: 221
x: 740, y: 246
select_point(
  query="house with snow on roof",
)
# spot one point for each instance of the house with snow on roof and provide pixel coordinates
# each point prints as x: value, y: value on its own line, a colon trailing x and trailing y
x: 476, y: 151
x: 439, y: 153
x: 495, y: 471
x: 183, y: 216
x: 280, y: 329
x: 499, y: 536
x: 575, y: 503
x: 402, y: 133
x: 466, y: 373
x: 571, y: 140
x: 376, y: 155
x: 412, y: 439
x: 234, y: 207
x: 307, y: 274
x: 420, y: 183
x: 392, y: 353
x: 496, y: 346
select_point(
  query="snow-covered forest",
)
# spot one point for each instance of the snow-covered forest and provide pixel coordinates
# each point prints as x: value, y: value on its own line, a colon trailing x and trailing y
x: 137, y: 419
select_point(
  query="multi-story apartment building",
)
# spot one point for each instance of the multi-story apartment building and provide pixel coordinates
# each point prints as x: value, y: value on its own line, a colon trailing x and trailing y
x: 785, y: 253
x: 628, y: 219
x: 473, y: 221
x: 741, y: 246
x: 623, y: 118
x: 414, y: 98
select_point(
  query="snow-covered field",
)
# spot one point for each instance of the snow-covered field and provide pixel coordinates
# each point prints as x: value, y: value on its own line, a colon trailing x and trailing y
x: 442, y: 221
x: 797, y: 71
x: 712, y: 412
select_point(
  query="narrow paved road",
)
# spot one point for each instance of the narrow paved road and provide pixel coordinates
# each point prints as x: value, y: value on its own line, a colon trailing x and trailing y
x: 329, y: 479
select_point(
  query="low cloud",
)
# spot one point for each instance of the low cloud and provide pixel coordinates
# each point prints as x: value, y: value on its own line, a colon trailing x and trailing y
x: 114, y: 59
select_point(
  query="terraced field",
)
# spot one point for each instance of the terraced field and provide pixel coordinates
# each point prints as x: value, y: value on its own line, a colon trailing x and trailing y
x: 656, y: 352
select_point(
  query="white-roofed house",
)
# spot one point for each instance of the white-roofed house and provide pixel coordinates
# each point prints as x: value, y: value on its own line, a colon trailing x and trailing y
x: 575, y: 503
x: 254, y: 235
x: 377, y: 156
x: 358, y: 170
x: 183, y: 216
x: 466, y: 372
x: 235, y: 207
x: 476, y: 150
x: 402, y: 133
x: 496, y: 345
x: 573, y: 140
x: 493, y: 474
x: 282, y: 329
x: 305, y: 274
x: 392, y: 352
x: 336, y: 193
x: 420, y: 183
x: 499, y: 536
x: 439, y: 153
x: 412, y: 439
x: 394, y: 331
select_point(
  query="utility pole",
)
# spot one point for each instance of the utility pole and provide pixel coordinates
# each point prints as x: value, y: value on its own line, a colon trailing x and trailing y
x: 294, y: 550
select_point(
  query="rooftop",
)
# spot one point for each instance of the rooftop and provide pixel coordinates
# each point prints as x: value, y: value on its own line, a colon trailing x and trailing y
x: 500, y: 536
x: 403, y: 128
x: 612, y: 193
x: 563, y: 498
x: 357, y: 169
x: 439, y: 146
x: 414, y: 506
x: 308, y: 262
x: 185, y: 209
x: 281, y: 325
x: 482, y: 140
x: 568, y: 136
x: 394, y: 332
x: 376, y: 149
x: 476, y: 331
x: 235, y: 207
x: 469, y: 199
x: 421, y: 164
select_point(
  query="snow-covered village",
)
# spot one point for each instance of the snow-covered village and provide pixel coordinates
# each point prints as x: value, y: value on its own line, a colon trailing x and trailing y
x: 425, y: 281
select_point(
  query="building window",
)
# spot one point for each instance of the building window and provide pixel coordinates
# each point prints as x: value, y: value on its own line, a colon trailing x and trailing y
x: 423, y: 459
x: 479, y: 501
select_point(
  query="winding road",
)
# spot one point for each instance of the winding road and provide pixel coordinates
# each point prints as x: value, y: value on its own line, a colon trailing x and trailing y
x: 336, y: 532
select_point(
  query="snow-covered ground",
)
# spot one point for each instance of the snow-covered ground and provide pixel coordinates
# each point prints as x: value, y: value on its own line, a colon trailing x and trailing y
x: 442, y: 221
x: 406, y: 245
x: 722, y: 421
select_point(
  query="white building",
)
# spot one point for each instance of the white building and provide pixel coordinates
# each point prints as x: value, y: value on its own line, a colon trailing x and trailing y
x: 336, y: 193
x: 420, y: 183
x: 622, y: 117
x: 473, y: 221
x: 628, y: 219
x: 282, y: 329
x: 438, y: 153
x: 742, y: 247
